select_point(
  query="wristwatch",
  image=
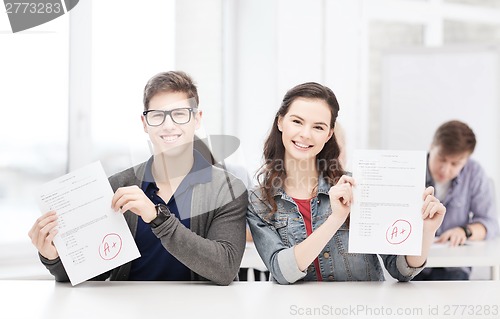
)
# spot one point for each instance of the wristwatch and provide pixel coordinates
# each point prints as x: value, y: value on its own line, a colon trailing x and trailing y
x: 467, y: 231
x: 162, y: 214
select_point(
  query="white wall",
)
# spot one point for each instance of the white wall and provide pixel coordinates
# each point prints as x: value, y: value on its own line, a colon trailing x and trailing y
x: 284, y: 43
x: 198, y: 51
x: 422, y: 88
x: 256, y: 75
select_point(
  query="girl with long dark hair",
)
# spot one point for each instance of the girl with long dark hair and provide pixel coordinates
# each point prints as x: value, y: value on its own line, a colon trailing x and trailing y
x: 299, y: 213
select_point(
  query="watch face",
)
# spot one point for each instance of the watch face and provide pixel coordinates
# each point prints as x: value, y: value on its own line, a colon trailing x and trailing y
x: 162, y: 214
x: 162, y: 209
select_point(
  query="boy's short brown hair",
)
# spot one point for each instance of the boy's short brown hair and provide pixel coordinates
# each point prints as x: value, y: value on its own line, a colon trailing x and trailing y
x: 172, y: 81
x: 454, y: 137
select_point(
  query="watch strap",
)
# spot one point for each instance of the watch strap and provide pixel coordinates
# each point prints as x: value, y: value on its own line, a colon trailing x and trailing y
x: 162, y: 214
x: 468, y: 232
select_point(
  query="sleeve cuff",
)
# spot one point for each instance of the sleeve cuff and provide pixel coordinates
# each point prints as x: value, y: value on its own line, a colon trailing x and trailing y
x: 288, y: 265
x: 46, y: 261
x: 405, y: 269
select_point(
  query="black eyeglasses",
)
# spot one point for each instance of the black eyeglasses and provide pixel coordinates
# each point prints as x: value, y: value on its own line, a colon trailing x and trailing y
x: 178, y: 116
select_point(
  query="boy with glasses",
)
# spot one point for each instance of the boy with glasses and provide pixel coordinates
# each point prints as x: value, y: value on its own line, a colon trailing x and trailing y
x: 186, y: 215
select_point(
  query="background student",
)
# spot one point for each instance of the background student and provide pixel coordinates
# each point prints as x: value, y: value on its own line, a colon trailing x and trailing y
x: 299, y: 214
x: 466, y: 191
x: 186, y: 215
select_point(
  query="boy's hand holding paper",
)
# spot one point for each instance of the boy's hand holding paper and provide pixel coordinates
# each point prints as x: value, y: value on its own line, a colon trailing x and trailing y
x: 92, y: 238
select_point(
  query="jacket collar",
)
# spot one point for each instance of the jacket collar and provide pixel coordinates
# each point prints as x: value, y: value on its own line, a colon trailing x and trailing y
x: 323, y: 188
x: 200, y: 173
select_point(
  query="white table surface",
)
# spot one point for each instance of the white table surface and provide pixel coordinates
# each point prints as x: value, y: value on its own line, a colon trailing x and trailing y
x: 472, y: 254
x: 136, y: 300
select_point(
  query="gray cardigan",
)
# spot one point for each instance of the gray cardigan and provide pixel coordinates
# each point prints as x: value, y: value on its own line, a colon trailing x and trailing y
x: 213, y: 246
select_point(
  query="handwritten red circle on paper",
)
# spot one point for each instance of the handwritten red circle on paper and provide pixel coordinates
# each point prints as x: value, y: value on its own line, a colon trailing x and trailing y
x: 110, y: 246
x: 398, y: 232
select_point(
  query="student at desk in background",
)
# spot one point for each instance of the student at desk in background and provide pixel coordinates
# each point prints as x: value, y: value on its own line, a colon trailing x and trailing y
x: 466, y: 191
x: 186, y: 215
x: 299, y: 213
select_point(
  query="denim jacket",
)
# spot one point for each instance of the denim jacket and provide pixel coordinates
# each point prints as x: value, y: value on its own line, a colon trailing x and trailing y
x: 276, y: 235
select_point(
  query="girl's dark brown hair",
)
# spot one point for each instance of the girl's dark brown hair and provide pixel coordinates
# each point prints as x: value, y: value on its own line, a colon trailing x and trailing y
x: 272, y: 173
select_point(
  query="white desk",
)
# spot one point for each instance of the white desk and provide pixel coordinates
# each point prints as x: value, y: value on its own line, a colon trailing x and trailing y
x: 474, y: 254
x: 45, y: 299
